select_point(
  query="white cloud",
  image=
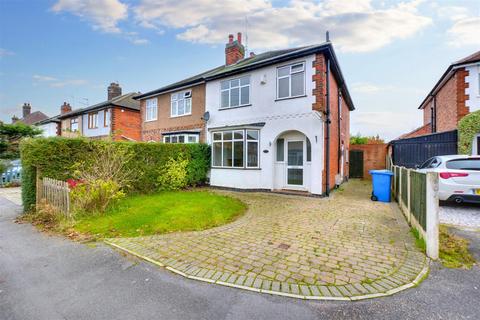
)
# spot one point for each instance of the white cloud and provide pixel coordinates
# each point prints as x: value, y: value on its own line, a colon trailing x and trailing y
x: 102, y: 14
x: 356, y: 26
x: 56, y: 82
x: 453, y: 13
x: 5, y: 52
x: 372, y: 88
x: 465, y: 32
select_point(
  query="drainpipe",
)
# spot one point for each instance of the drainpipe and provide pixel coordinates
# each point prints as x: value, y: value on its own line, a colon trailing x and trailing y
x: 327, y: 114
x: 339, y: 95
x: 434, y: 113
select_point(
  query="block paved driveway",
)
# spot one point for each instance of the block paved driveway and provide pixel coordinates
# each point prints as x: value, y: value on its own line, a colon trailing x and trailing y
x: 342, y: 247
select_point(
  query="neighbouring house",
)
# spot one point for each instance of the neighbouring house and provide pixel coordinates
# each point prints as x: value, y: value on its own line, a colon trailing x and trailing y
x: 50, y: 127
x: 279, y: 120
x: 117, y: 117
x: 173, y: 113
x: 29, y: 117
x: 456, y: 94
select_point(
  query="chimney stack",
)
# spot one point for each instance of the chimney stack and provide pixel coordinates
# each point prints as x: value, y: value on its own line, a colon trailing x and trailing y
x: 114, y: 90
x: 234, y: 50
x: 65, y: 107
x: 27, y: 109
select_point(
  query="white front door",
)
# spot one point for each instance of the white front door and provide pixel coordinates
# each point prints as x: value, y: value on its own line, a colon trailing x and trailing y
x: 295, y: 158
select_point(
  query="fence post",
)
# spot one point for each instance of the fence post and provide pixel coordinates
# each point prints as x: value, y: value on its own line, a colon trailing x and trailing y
x: 399, y: 191
x: 432, y: 215
x: 409, y: 193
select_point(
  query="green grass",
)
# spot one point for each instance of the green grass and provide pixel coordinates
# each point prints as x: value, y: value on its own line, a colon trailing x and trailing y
x: 163, y: 212
x: 454, y: 250
x: 419, y: 241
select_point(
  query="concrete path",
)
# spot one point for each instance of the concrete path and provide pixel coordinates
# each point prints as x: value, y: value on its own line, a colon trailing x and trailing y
x: 48, y: 278
x: 342, y: 248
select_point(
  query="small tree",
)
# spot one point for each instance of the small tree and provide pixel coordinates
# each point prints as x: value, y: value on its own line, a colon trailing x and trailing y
x: 10, y: 137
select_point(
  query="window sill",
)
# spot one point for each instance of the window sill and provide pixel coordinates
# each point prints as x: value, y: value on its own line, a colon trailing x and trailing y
x: 236, y: 168
x: 229, y: 108
x: 289, y: 98
x: 150, y: 120
x: 183, y: 115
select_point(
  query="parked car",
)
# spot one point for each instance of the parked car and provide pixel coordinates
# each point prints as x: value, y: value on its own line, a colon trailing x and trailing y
x: 459, y: 177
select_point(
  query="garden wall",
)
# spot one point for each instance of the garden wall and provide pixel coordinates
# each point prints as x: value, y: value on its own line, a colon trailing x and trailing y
x: 55, y: 158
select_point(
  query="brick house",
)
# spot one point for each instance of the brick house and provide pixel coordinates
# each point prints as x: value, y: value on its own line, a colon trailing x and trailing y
x: 29, y: 117
x: 456, y: 94
x: 174, y: 113
x: 117, y: 117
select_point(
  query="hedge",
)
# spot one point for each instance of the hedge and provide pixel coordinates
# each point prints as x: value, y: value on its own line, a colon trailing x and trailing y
x: 54, y: 158
x: 468, y: 127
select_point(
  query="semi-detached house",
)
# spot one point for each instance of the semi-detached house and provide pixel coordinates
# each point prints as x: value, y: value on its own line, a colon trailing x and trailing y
x: 279, y: 120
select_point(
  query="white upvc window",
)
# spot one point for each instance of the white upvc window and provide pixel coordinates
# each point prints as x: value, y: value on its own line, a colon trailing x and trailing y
x: 181, y: 138
x: 235, y: 149
x: 291, y: 81
x: 235, y: 92
x: 181, y: 103
x: 106, y: 117
x: 151, y: 109
x: 74, y: 124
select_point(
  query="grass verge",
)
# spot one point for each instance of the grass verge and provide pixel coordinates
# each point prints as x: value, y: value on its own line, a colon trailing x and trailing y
x: 454, y: 250
x: 419, y: 241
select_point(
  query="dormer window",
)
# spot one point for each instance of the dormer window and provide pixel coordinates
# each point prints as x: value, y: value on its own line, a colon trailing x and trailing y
x: 291, y: 81
x: 181, y: 103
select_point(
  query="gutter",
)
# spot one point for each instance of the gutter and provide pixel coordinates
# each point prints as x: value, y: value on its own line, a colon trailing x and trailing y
x: 327, y: 138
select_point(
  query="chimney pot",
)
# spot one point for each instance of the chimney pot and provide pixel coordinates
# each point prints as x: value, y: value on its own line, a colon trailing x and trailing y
x: 234, y: 50
x: 230, y: 38
x: 239, y: 37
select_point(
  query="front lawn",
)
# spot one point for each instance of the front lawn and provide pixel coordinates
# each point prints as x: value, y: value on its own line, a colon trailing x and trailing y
x: 162, y: 212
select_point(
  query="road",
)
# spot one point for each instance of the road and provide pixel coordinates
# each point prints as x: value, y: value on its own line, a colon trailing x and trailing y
x: 48, y: 277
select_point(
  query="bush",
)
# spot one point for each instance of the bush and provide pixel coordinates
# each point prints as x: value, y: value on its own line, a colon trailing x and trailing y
x: 95, y: 196
x: 58, y: 158
x: 468, y: 127
x: 174, y: 175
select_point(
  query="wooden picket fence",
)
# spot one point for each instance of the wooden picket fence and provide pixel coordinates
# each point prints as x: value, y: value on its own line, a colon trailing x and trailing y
x: 56, y: 193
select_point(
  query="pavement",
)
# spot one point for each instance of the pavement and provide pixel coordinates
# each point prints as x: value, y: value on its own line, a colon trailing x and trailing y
x: 343, y: 247
x: 48, y: 277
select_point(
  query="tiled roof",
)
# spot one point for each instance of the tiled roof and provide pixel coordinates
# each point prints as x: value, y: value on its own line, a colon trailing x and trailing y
x: 470, y: 59
x: 33, y: 118
x: 125, y: 101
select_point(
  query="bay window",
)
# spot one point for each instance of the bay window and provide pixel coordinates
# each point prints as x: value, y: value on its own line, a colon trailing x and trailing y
x: 291, y: 81
x: 235, y: 92
x: 151, y: 110
x: 181, y: 103
x: 235, y: 149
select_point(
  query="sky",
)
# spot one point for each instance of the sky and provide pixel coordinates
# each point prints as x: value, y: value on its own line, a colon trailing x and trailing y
x: 391, y: 52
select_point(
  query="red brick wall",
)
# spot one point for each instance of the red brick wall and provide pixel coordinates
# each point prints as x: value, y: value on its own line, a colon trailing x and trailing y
x: 320, y: 105
x: 126, y: 122
x: 374, y: 156
x: 427, y: 113
x: 423, y: 130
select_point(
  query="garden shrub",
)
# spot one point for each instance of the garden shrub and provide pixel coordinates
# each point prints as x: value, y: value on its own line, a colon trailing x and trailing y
x: 173, y: 175
x: 468, y: 127
x: 95, y: 196
x: 59, y: 158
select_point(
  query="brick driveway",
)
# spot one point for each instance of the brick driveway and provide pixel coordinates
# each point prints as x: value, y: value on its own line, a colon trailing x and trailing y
x: 341, y: 248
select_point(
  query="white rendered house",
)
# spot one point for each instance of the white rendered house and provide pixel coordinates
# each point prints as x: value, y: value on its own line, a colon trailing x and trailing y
x: 278, y: 120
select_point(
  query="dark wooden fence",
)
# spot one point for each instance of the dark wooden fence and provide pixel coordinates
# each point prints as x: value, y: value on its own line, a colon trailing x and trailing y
x: 414, y: 151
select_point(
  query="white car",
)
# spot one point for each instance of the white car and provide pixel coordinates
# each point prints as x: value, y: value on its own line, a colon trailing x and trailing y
x: 459, y: 177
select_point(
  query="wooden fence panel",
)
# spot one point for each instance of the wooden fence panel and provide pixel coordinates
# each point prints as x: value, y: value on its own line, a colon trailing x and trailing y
x: 56, y: 193
x: 418, y: 206
x: 404, y: 186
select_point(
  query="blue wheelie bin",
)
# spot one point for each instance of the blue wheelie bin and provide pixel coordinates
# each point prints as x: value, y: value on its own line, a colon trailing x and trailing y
x: 381, y: 181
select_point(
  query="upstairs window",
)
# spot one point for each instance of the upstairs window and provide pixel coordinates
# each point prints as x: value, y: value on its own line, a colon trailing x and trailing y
x: 181, y: 103
x: 74, y: 124
x: 93, y: 120
x: 291, y: 81
x: 151, y: 110
x: 235, y: 92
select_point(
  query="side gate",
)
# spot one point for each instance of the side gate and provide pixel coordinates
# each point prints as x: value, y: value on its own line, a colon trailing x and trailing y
x: 356, y: 164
